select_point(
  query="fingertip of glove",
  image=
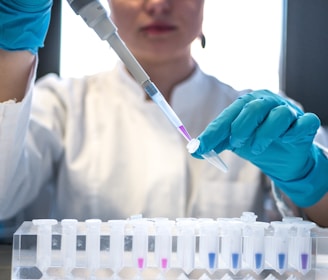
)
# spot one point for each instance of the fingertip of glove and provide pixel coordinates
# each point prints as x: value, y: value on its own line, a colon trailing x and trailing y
x: 315, y: 119
x: 310, y: 122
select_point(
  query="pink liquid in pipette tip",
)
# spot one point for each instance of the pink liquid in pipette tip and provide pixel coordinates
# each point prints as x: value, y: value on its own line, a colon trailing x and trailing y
x: 184, y: 132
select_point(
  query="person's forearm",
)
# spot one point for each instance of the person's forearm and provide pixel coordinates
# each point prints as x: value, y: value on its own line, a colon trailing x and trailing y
x: 15, y: 69
x: 318, y: 213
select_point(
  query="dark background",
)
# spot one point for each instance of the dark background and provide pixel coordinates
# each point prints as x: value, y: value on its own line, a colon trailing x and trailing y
x: 304, y: 64
x: 304, y: 75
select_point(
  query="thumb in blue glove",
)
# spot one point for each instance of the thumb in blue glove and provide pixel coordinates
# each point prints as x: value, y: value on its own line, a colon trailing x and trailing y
x: 275, y: 135
x: 24, y: 24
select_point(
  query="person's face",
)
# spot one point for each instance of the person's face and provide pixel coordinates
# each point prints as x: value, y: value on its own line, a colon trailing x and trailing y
x: 158, y: 29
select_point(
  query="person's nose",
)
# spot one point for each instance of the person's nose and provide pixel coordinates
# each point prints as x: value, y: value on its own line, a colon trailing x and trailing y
x: 158, y: 6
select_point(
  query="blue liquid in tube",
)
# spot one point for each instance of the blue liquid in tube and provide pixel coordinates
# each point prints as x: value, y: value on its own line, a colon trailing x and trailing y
x: 211, y: 260
x: 281, y: 260
x: 235, y: 260
x: 258, y: 260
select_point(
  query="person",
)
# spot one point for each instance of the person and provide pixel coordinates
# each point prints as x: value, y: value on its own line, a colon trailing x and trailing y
x: 97, y: 147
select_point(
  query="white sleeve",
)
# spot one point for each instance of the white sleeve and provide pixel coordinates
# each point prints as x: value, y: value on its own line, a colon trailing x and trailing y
x: 14, y: 119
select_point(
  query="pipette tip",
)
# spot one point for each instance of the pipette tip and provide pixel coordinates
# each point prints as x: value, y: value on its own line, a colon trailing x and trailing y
x: 212, y: 157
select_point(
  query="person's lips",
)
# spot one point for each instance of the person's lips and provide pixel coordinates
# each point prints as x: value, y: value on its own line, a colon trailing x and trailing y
x: 158, y: 28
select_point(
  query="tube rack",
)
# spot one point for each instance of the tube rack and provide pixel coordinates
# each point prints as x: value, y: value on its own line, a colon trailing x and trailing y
x: 159, y: 248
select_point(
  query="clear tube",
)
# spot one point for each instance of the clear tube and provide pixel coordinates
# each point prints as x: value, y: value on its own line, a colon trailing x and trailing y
x: 44, y: 241
x: 209, y: 245
x: 212, y: 157
x: 254, y: 245
x: 278, y: 246
x: 116, y: 251
x: 140, y: 243
x: 163, y: 243
x: 93, y: 243
x: 300, y: 248
x: 231, y: 243
x: 186, y: 246
x: 68, y: 243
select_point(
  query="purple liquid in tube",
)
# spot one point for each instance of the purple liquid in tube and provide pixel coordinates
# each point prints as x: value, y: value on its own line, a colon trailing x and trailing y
x: 184, y: 132
x: 304, y: 260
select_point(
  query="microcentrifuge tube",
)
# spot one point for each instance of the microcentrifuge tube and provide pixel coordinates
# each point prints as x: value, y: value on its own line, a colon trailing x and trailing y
x: 212, y: 157
x: 140, y: 243
x: 44, y: 243
x: 231, y: 243
x: 186, y: 244
x: 254, y: 245
x: 68, y: 243
x: 300, y: 249
x: 116, y: 247
x: 93, y: 243
x: 277, y: 249
x: 209, y: 245
x: 163, y: 243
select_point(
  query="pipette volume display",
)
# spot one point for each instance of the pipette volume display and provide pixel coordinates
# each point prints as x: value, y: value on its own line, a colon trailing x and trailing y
x: 96, y: 17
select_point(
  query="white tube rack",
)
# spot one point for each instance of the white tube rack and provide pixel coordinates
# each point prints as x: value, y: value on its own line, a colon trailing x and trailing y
x: 159, y: 248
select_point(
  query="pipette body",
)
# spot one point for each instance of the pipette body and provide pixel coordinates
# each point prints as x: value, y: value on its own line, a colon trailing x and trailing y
x: 96, y: 17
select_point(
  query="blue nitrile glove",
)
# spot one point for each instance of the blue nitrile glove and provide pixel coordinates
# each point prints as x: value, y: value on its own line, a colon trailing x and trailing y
x: 276, y: 136
x: 24, y: 24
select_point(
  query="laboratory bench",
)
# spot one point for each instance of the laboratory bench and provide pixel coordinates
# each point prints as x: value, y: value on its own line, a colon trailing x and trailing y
x: 5, y: 261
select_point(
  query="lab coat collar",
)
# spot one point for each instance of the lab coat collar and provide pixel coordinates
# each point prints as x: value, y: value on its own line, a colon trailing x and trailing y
x: 195, y: 80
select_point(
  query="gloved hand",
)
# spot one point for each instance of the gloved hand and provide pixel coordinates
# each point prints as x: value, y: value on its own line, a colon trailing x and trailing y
x: 24, y: 24
x: 276, y: 136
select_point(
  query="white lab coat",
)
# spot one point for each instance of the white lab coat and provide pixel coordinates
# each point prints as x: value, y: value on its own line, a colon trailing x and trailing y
x: 96, y: 148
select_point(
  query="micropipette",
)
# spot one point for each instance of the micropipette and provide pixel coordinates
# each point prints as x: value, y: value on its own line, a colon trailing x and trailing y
x: 96, y: 17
